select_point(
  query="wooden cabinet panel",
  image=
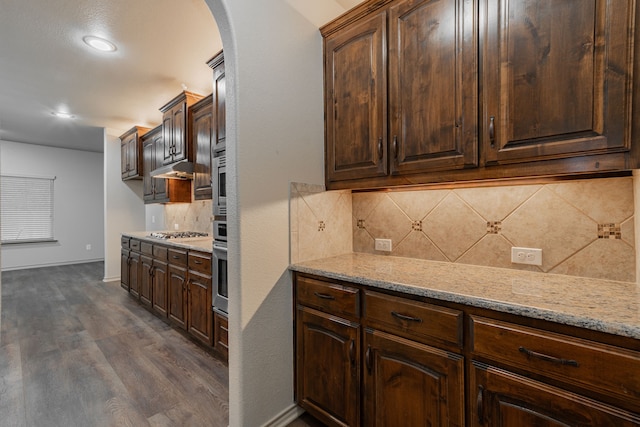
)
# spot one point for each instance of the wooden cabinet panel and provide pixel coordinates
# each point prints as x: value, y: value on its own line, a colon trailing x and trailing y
x: 203, y: 132
x: 328, y: 368
x: 219, y: 84
x: 573, y: 360
x: 124, y: 267
x: 329, y: 297
x: 177, y: 293
x: 432, y: 85
x: 146, y: 273
x: 135, y: 272
x: 159, y: 293
x: 177, y: 257
x: 175, y: 130
x: 199, y: 307
x: 502, y: 399
x: 221, y: 334
x: 355, y: 100
x: 131, y: 153
x: 411, y: 384
x: 550, y: 89
x: 416, y: 320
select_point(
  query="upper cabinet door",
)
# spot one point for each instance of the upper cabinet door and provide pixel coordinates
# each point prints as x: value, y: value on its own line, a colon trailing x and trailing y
x: 432, y: 85
x: 356, y: 100
x: 179, y: 132
x: 556, y: 78
x: 167, y: 138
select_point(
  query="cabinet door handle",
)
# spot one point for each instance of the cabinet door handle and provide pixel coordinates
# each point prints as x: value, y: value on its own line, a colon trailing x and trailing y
x: 405, y: 317
x: 352, y: 351
x: 480, y: 405
x: 367, y: 358
x: 492, y: 131
x: 395, y: 146
x: 324, y: 296
x: 175, y: 256
x: 547, y: 358
x: 380, y: 148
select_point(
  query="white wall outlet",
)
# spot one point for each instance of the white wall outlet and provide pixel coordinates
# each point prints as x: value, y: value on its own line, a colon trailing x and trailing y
x: 532, y: 256
x: 88, y: 247
x: 383, y: 245
x: 176, y: 226
x: 153, y: 219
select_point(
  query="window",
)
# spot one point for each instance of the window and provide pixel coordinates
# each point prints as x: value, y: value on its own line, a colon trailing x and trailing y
x: 26, y: 209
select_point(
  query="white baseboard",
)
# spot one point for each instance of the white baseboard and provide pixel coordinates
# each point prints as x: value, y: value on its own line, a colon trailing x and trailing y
x: 111, y: 279
x: 285, y: 417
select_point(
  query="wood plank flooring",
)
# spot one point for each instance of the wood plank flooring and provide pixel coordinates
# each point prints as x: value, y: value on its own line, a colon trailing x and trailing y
x: 75, y: 351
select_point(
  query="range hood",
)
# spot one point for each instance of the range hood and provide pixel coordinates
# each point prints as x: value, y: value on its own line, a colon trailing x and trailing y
x: 178, y: 170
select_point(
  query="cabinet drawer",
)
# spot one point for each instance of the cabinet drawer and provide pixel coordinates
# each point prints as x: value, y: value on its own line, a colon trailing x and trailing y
x: 146, y: 248
x: 134, y: 245
x: 124, y: 242
x: 328, y: 297
x: 160, y: 252
x: 200, y: 262
x: 594, y: 366
x: 177, y: 257
x: 413, y: 319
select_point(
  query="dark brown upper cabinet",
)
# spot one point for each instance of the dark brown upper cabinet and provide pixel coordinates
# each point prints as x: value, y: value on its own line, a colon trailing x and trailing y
x: 175, y: 132
x: 219, y: 102
x: 203, y: 133
x: 131, y: 153
x: 557, y: 78
x: 435, y: 91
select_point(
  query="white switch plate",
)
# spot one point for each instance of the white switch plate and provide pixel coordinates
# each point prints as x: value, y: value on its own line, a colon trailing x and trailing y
x: 88, y: 247
x: 383, y: 245
x: 176, y: 226
x: 532, y: 256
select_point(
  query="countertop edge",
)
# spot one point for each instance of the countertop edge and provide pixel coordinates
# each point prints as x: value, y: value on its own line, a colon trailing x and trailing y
x: 187, y: 243
x: 584, y: 322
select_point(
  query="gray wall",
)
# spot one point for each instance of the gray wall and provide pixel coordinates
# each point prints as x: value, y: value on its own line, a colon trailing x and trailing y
x: 78, y: 207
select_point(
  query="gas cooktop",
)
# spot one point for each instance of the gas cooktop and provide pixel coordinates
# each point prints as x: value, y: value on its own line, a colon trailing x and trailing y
x: 177, y: 234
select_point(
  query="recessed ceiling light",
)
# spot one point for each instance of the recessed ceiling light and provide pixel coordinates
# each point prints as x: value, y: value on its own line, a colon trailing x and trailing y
x: 63, y: 115
x: 100, y: 44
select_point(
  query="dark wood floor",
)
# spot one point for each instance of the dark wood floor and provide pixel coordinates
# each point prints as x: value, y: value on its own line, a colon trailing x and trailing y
x: 75, y: 351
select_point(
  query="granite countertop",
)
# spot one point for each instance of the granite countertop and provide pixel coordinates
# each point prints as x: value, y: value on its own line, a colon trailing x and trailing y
x: 202, y: 244
x: 600, y: 305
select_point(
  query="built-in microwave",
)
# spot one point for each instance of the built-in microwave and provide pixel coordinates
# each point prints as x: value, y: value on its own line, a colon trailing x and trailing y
x: 220, y: 185
x: 220, y: 283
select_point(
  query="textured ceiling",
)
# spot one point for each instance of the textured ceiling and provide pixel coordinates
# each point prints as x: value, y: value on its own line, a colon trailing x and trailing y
x: 162, y: 45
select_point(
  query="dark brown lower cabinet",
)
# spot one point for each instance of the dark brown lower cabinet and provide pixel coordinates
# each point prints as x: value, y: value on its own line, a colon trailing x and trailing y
x: 411, y: 384
x: 504, y: 399
x: 221, y: 334
x: 146, y: 279
x: 124, y: 268
x: 177, y: 291
x: 159, y: 293
x: 134, y: 274
x: 199, y: 307
x: 328, y: 366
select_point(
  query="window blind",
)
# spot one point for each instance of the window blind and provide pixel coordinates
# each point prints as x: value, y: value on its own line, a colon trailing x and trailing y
x: 26, y: 209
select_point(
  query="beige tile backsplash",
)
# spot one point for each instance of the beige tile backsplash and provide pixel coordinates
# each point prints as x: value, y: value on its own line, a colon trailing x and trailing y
x: 196, y: 216
x: 584, y: 227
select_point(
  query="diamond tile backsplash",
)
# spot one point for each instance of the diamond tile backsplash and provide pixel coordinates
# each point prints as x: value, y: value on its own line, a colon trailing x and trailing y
x: 584, y: 227
x: 196, y: 216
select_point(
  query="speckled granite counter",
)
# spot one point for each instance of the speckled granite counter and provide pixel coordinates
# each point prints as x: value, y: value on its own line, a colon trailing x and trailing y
x: 203, y: 244
x: 601, y: 305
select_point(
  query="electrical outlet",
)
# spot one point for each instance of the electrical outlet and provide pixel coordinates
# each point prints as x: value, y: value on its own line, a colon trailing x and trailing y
x: 532, y: 256
x: 88, y: 247
x: 176, y: 226
x: 383, y: 245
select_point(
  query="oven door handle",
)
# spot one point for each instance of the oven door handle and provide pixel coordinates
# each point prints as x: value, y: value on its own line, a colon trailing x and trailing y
x: 219, y: 248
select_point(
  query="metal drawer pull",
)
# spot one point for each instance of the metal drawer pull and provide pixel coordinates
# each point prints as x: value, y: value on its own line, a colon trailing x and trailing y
x: 324, y: 296
x: 405, y: 317
x: 175, y: 257
x: 548, y: 358
x: 197, y: 262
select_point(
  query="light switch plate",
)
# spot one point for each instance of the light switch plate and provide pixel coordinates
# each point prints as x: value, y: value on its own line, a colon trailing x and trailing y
x: 383, y: 245
x: 531, y: 256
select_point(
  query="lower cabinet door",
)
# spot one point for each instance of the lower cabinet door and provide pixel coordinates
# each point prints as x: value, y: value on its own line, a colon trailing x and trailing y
x: 177, y: 292
x: 124, y: 269
x: 411, y: 384
x: 501, y: 398
x: 146, y: 265
x: 199, y: 303
x: 159, y: 293
x: 134, y: 274
x: 328, y: 373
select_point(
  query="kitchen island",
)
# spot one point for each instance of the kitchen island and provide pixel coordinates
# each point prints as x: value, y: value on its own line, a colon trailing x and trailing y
x: 384, y: 340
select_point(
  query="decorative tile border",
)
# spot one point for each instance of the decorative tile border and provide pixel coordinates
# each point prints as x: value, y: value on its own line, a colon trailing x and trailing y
x: 416, y: 225
x: 494, y: 227
x: 609, y: 231
x: 360, y: 224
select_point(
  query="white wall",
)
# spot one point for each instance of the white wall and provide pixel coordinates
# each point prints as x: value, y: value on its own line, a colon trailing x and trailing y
x: 78, y: 214
x: 273, y: 59
x: 123, y: 206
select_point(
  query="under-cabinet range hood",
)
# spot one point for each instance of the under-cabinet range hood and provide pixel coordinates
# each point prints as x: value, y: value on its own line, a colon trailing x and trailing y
x: 178, y: 170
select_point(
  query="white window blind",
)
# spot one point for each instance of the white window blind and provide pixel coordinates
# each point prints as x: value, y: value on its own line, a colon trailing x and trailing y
x: 26, y: 209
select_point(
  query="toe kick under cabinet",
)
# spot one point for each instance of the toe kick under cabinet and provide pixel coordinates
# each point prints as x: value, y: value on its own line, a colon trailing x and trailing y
x: 370, y: 357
